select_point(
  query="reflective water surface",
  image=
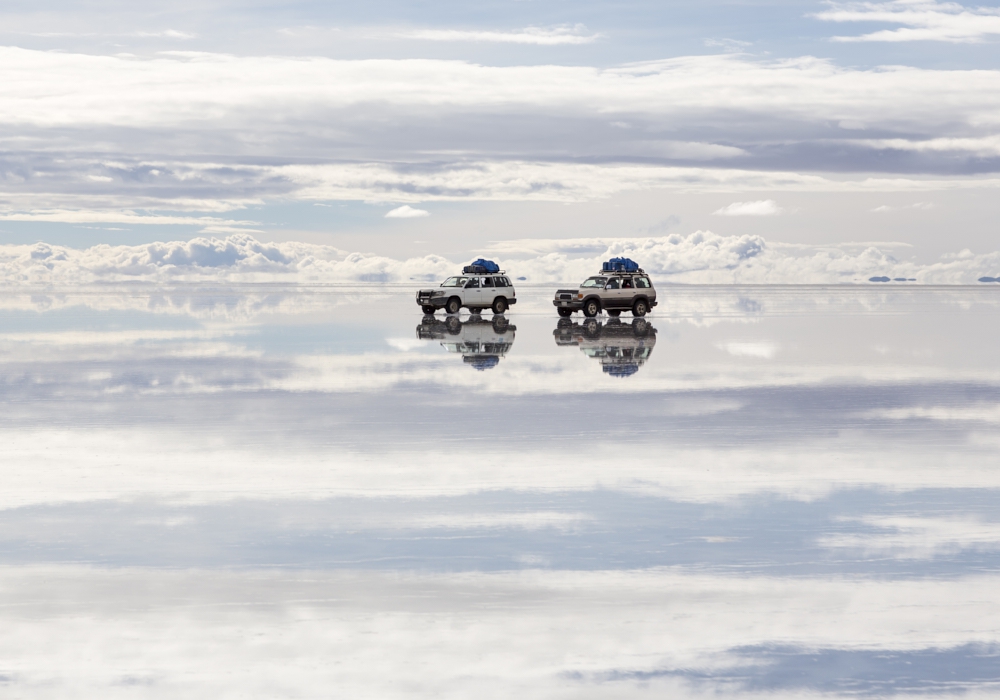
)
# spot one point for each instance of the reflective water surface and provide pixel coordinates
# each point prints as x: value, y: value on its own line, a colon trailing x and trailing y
x: 308, y: 492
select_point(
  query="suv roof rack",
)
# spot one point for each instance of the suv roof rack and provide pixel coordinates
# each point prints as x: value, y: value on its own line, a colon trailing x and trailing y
x: 605, y: 273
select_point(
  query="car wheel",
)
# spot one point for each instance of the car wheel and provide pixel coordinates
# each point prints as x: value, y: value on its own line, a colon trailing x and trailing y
x: 453, y: 305
x: 640, y: 326
x: 429, y: 310
x: 565, y: 313
x: 639, y: 308
x: 453, y: 325
x: 499, y: 305
x: 591, y: 308
x: 500, y: 324
x: 614, y: 313
x: 591, y: 328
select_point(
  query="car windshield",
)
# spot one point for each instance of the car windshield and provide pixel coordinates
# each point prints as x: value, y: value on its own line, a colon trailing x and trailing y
x: 453, y: 282
x: 595, y: 282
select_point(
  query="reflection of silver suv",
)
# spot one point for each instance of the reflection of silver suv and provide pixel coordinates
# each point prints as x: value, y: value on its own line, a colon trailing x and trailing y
x: 613, y: 292
x: 481, y: 343
x: 475, y: 292
x: 620, y: 348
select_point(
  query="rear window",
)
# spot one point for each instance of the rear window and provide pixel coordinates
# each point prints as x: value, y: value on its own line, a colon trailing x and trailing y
x: 642, y: 282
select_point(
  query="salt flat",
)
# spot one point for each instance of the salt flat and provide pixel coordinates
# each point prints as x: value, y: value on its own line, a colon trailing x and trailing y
x: 270, y: 491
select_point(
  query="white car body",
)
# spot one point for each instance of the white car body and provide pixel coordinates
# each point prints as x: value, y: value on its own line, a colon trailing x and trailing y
x: 473, y: 291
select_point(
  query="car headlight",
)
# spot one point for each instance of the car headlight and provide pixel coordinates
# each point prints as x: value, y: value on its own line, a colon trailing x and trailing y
x: 437, y: 294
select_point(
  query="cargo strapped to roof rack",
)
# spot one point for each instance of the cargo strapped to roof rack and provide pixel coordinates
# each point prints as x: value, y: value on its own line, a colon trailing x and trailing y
x: 481, y: 267
x: 620, y: 265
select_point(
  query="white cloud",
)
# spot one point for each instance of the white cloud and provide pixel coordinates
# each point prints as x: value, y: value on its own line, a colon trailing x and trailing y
x: 885, y: 208
x: 700, y: 257
x: 728, y: 44
x: 168, y: 633
x: 552, y: 36
x: 763, y: 350
x: 406, y: 212
x: 765, y: 207
x: 167, y: 34
x: 907, y: 537
x: 923, y: 20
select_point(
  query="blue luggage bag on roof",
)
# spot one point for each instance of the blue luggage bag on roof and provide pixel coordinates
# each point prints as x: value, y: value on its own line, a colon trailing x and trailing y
x: 480, y: 267
x: 620, y: 265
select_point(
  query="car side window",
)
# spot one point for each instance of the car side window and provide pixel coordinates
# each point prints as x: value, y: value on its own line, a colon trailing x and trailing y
x: 627, y: 284
x: 613, y: 283
x: 473, y: 283
x: 501, y: 281
x: 642, y: 282
x: 487, y: 281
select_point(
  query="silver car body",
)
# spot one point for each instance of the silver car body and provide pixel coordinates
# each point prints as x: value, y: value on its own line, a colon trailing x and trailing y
x: 611, y: 291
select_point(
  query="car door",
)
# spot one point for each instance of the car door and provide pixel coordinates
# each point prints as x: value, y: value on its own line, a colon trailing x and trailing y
x: 612, y: 297
x: 628, y: 292
x: 488, y: 291
x: 472, y: 295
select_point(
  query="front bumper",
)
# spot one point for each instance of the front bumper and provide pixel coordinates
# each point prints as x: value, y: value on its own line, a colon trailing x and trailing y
x: 437, y: 302
x: 572, y: 304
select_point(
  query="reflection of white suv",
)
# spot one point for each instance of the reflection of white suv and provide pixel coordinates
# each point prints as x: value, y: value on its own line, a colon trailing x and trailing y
x: 475, y: 292
x: 481, y: 343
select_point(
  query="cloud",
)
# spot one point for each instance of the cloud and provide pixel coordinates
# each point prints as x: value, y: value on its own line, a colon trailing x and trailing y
x: 168, y: 34
x: 718, y: 106
x: 765, y: 207
x: 406, y: 212
x: 728, y: 44
x: 923, y: 20
x: 763, y: 350
x: 700, y: 257
x: 885, y: 208
x: 907, y: 537
x: 553, y: 36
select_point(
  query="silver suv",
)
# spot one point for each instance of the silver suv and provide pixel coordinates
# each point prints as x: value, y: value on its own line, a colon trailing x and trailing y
x: 612, y: 292
x: 476, y: 292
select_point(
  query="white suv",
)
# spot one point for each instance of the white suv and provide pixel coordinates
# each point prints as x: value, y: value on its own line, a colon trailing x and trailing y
x: 473, y: 291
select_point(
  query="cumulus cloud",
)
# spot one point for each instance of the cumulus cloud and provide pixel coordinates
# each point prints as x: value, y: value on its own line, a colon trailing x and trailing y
x: 923, y: 20
x: 765, y: 207
x: 700, y: 257
x: 406, y: 212
x: 541, y: 36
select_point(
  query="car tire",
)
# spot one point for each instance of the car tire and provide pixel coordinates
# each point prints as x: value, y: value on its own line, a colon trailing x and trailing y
x: 500, y: 324
x: 640, y: 308
x: 453, y: 305
x: 429, y: 310
x: 640, y: 327
x: 614, y: 313
x: 565, y: 313
x: 591, y: 308
x: 499, y: 305
x: 592, y: 329
x: 453, y: 325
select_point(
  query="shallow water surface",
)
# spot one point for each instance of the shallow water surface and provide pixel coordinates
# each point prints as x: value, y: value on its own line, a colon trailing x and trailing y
x: 299, y: 492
